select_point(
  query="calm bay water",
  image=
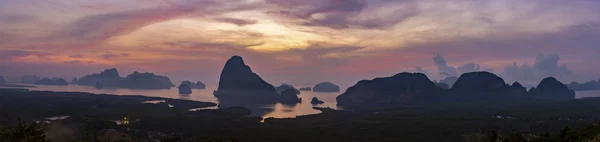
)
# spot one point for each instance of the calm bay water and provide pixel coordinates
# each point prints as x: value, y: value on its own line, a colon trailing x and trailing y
x: 266, y: 111
x: 275, y: 110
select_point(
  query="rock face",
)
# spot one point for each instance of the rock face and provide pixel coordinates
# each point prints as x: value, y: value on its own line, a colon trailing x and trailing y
x: 289, y: 96
x: 479, y: 85
x: 552, y: 89
x: 108, y: 77
x: 284, y: 87
x: 197, y: 85
x: 326, y: 87
x: 2, y: 81
x: 138, y: 80
x: 305, y: 89
x: 402, y: 88
x: 449, y: 81
x: 316, y: 101
x: 185, y: 89
x: 53, y: 81
x: 238, y: 82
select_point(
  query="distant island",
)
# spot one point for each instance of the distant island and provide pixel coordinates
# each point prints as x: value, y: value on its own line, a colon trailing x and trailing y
x: 192, y: 85
x: 110, y: 78
x: 305, y: 89
x: 284, y: 87
x: 326, y: 87
x: 30, y: 79
x: 416, y: 88
x: 587, y: 86
x: 53, y: 81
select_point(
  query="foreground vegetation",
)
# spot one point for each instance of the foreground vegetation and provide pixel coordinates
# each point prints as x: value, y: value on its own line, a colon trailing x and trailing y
x: 92, y: 119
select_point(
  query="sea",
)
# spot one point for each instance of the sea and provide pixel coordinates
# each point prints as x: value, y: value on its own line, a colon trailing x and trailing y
x: 206, y: 95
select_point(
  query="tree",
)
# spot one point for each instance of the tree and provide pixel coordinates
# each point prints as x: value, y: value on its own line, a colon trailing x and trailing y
x: 24, y: 133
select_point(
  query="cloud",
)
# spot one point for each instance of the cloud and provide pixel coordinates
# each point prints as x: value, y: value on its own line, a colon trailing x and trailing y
x: 420, y: 69
x: 15, y: 19
x: 544, y: 66
x: 236, y: 21
x: 92, y: 30
x: 9, y: 54
x: 343, y: 14
x: 110, y: 56
x: 76, y: 56
x: 469, y: 67
x: 443, y: 67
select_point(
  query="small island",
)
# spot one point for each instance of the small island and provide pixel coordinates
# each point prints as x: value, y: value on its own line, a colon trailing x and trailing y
x: 326, y: 87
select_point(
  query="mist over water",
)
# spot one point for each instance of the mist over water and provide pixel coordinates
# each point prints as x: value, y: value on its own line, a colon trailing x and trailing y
x: 273, y: 110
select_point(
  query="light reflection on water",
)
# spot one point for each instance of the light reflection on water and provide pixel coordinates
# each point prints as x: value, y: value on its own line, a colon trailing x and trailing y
x: 266, y: 111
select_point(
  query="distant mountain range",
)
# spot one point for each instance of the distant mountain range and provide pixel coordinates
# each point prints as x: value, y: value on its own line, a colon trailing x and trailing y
x: 136, y: 80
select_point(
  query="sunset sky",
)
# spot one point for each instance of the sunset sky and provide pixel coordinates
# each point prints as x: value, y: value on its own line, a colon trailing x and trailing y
x: 302, y: 42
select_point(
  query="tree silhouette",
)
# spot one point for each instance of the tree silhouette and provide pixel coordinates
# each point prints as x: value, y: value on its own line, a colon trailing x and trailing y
x: 24, y: 133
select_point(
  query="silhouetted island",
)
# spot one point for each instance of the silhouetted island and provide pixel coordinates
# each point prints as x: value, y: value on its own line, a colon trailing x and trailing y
x: 552, y: 89
x: 53, y: 81
x: 197, y: 85
x: 284, y: 87
x: 30, y: 79
x: 316, y: 101
x: 108, y: 78
x: 289, y: 96
x: 591, y: 85
x: 136, y: 80
x: 416, y: 88
x: 326, y: 87
x: 305, y: 89
x: 402, y: 88
x: 239, y: 83
x: 480, y: 86
x: 185, y: 89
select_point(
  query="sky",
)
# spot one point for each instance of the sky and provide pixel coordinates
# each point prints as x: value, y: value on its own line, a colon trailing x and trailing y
x: 302, y: 42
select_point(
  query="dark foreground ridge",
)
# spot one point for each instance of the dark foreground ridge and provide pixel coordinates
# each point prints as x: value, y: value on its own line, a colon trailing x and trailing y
x: 171, y: 120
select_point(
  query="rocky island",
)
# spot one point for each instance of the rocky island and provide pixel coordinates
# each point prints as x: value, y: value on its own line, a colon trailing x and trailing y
x: 284, y: 87
x: 326, y: 87
x: 239, y: 83
x: 110, y: 78
x: 197, y: 85
x: 53, y: 81
x: 305, y: 89
x: 184, y: 89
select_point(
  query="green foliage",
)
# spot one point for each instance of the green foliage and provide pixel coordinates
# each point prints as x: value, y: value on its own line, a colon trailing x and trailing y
x: 24, y: 133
